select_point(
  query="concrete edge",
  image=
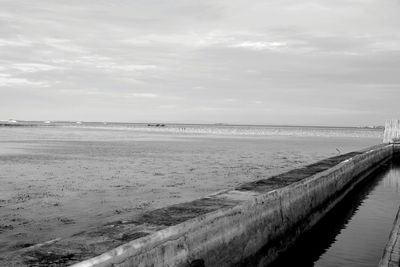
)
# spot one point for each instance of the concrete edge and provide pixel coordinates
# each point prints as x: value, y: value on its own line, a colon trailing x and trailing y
x: 391, y: 252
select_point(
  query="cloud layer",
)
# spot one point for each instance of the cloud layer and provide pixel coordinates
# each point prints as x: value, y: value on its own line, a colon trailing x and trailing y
x: 314, y: 62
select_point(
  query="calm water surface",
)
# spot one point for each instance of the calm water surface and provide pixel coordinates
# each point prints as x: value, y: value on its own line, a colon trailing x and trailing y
x: 356, y: 232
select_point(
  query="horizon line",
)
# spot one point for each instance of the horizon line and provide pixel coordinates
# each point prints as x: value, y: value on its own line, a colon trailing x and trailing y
x: 204, y: 123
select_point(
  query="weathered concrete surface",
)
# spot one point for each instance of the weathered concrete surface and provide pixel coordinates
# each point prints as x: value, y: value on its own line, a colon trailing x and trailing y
x: 392, y: 132
x: 391, y: 253
x: 250, y: 225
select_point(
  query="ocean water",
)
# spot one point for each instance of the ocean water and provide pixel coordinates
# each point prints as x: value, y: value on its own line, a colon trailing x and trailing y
x: 61, y: 178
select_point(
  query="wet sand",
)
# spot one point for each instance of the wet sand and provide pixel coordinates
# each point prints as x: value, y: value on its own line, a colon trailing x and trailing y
x: 59, y: 181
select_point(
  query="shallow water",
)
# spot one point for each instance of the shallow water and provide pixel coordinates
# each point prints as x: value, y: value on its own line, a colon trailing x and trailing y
x: 58, y: 180
x: 222, y: 129
x: 357, y: 230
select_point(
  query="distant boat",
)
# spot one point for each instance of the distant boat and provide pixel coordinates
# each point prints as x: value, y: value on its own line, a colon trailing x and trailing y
x: 78, y: 122
x: 12, y: 121
x: 47, y: 122
x: 156, y: 125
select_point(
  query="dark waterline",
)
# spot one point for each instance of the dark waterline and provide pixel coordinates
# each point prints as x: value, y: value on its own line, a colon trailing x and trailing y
x: 356, y: 231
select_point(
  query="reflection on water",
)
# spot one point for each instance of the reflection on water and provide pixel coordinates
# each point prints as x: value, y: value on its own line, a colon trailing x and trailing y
x: 392, y: 180
x: 356, y: 231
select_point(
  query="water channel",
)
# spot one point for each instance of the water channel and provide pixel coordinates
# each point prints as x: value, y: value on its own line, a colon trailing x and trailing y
x: 356, y: 231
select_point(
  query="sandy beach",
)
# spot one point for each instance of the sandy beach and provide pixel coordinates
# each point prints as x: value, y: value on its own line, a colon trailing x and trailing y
x: 57, y: 181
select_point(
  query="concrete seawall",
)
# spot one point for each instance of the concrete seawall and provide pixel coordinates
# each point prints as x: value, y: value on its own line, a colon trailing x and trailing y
x: 250, y: 225
x: 391, y: 255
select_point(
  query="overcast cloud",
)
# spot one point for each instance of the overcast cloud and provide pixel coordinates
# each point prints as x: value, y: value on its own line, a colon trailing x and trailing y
x: 311, y: 62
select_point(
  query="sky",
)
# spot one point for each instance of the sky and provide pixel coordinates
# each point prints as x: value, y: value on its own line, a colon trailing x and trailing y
x: 310, y: 62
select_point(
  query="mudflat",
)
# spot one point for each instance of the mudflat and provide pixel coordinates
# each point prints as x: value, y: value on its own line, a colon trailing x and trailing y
x: 57, y: 181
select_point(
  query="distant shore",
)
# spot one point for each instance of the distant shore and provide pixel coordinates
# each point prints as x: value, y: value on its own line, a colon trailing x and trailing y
x: 11, y: 123
x: 17, y: 125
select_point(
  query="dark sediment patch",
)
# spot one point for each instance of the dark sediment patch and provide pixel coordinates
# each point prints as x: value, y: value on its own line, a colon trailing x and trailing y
x: 4, y: 228
x: 65, y: 220
x: 179, y: 213
x: 57, y: 256
x: 287, y: 178
x: 23, y: 245
x: 87, y: 244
